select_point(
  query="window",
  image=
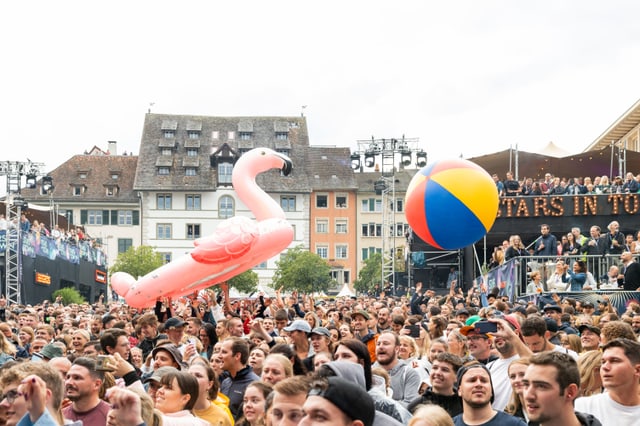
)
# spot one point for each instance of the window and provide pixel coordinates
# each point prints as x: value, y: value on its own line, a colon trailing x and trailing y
x: 244, y: 136
x: 346, y: 276
x: 125, y: 217
x: 322, y: 251
x: 370, y: 251
x: 82, y: 175
x: 341, y: 226
x: 231, y: 135
x: 341, y: 251
x: 371, y: 230
x: 399, y: 205
x: 193, y: 201
x: 168, y: 134
x: 225, y: 207
x: 166, y: 257
x: 163, y: 231
x: 94, y: 217
x: 322, y: 226
x: 77, y: 191
x: 193, y: 134
x: 372, y: 205
x: 190, y: 171
x: 124, y: 244
x: 321, y: 201
x: 341, y: 201
x: 288, y: 203
x: 111, y: 191
x: 163, y: 201
x: 192, y: 152
x: 166, y: 152
x: 262, y: 265
x: 282, y: 136
x: 215, y: 135
x: 225, y: 170
x: 193, y: 231
x: 115, y: 176
x: 399, y: 229
x: 163, y: 171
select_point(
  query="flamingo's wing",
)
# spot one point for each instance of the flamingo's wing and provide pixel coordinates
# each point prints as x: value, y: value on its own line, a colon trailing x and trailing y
x: 232, y: 239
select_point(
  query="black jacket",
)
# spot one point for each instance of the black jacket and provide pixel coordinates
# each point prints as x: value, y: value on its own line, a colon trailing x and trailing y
x: 451, y: 403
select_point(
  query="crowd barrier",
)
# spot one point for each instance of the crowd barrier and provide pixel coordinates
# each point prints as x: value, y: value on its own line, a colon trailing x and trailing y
x: 35, y: 244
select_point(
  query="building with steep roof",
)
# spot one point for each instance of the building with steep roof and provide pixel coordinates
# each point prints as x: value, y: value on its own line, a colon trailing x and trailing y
x: 184, y: 177
x: 95, y: 191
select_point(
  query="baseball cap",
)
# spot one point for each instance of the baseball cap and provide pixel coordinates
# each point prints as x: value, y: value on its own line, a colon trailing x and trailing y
x: 513, y: 321
x: 550, y: 307
x: 469, y: 324
x: 590, y: 327
x: 365, y: 314
x: 299, y: 325
x: 350, y: 398
x: 172, y: 350
x: 50, y: 351
x: 588, y: 305
x: 321, y: 331
x: 462, y: 311
x: 156, y: 376
x: 173, y: 322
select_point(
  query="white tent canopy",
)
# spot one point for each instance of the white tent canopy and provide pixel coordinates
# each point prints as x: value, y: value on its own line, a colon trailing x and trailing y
x: 553, y: 150
x: 346, y: 291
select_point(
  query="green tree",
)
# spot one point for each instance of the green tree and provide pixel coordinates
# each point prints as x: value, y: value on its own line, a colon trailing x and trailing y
x: 69, y: 295
x: 137, y: 261
x: 301, y: 270
x: 246, y: 282
x: 371, y: 275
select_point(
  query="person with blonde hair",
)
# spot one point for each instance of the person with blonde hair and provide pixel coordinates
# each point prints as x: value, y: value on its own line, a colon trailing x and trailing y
x: 276, y: 367
x: 589, y: 366
x: 516, y: 404
x: 458, y: 344
x: 430, y: 415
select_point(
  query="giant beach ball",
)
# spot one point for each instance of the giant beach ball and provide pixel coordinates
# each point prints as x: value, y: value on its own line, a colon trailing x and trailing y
x: 451, y: 203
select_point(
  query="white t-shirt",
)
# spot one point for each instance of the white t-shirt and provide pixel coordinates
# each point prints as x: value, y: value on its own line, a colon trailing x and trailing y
x: 500, y: 379
x: 609, y: 412
x: 564, y: 350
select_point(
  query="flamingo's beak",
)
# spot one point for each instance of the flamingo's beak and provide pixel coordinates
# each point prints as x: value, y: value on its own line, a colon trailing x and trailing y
x: 287, y: 166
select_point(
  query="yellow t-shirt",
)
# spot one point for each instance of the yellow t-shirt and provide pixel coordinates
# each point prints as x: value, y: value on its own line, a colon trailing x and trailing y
x: 215, y: 415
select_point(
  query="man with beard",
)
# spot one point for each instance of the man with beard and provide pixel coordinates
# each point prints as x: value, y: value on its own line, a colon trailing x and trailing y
x: 362, y: 332
x: 551, y: 384
x: 405, y: 381
x: 479, y: 344
x: 474, y: 387
x: 384, y: 320
x: 82, y: 388
x: 443, y: 391
x: 508, y: 344
x: 635, y: 324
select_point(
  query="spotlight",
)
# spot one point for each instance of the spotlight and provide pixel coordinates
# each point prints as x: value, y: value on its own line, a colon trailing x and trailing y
x: 379, y: 186
x: 405, y: 157
x: 421, y: 158
x: 355, y: 161
x: 47, y: 184
x: 31, y: 181
x: 369, y: 159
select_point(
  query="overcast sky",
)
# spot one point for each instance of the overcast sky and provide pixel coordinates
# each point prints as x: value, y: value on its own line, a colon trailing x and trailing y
x: 466, y: 77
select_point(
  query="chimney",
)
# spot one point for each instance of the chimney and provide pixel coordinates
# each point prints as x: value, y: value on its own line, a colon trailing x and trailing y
x: 113, y: 148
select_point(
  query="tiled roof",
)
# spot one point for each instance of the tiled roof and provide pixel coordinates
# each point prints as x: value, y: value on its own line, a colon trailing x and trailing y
x: 94, y: 173
x: 213, y: 133
x: 330, y: 168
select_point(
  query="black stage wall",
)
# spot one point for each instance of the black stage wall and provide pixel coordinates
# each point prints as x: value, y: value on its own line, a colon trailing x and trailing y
x: 62, y: 273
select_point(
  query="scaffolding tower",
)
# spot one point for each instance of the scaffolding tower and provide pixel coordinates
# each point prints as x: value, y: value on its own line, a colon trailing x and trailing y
x: 388, y: 150
x: 13, y: 171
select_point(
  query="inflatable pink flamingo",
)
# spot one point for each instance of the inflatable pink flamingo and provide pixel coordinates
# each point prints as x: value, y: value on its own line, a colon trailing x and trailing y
x: 238, y: 244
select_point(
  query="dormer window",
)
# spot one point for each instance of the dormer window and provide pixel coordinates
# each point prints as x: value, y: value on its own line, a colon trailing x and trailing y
x: 193, y: 134
x: 82, y: 175
x: 169, y: 134
x: 163, y: 171
x: 282, y: 136
x: 192, y: 152
x: 244, y: 136
x: 111, y: 190
x: 166, y: 151
x: 190, y: 171
x: 77, y: 190
x: 115, y: 175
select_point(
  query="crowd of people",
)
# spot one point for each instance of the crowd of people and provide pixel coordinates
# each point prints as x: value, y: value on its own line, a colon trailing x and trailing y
x: 553, y: 185
x: 575, y: 262
x: 421, y: 359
